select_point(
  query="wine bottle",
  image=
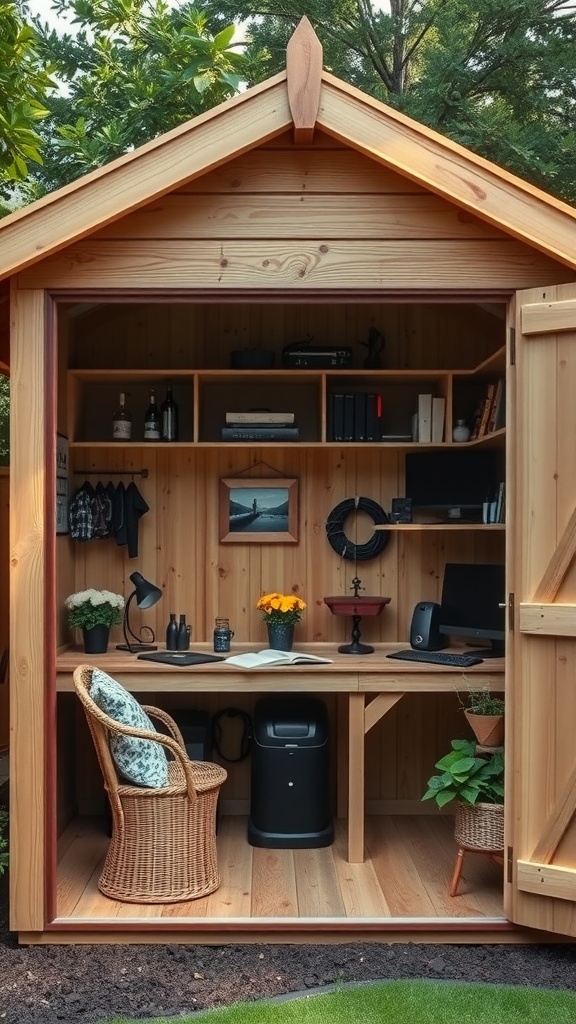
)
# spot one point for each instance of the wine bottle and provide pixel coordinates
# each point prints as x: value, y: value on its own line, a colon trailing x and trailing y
x: 152, y: 420
x: 169, y: 411
x: 122, y: 422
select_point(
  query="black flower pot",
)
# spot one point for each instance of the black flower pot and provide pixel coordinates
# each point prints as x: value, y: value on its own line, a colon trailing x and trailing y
x: 280, y: 638
x: 96, y: 639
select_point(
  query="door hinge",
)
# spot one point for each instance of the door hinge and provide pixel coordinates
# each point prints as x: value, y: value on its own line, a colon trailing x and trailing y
x: 509, y: 863
x: 512, y: 338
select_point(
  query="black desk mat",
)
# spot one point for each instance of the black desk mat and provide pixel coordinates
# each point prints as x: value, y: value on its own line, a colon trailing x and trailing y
x: 177, y: 658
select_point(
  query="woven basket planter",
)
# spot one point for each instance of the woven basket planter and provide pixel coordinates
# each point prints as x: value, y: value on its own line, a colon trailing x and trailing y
x: 480, y: 827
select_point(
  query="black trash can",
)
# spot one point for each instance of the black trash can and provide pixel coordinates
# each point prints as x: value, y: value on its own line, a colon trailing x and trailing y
x: 289, y: 786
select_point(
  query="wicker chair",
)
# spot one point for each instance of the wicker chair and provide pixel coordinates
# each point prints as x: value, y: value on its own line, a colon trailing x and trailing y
x: 163, y: 845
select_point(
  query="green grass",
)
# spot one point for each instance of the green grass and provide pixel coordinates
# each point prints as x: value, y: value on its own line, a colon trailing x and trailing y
x: 400, y: 1002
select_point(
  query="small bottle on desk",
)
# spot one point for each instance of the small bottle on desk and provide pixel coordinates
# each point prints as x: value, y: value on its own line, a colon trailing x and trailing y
x: 172, y: 633
x: 183, y: 639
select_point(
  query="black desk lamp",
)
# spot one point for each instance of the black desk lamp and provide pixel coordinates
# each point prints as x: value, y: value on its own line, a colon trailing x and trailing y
x: 146, y: 594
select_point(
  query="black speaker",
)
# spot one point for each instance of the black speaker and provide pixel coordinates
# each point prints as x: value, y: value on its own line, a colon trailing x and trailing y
x: 424, y: 632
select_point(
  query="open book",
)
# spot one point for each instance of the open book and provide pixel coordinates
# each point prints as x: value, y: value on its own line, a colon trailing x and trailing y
x: 264, y: 658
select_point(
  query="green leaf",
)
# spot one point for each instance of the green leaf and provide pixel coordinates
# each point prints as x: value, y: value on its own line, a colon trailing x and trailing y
x: 202, y: 82
x: 222, y: 40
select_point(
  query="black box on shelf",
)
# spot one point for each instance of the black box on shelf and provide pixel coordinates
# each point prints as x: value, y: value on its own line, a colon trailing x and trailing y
x: 401, y: 510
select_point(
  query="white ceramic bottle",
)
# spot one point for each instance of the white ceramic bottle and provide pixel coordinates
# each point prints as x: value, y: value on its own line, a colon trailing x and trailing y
x: 461, y: 432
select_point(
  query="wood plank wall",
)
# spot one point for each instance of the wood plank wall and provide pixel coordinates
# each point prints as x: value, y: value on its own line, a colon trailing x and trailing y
x: 280, y: 217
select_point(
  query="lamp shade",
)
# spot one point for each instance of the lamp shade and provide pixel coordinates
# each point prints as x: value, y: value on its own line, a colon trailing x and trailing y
x: 146, y: 593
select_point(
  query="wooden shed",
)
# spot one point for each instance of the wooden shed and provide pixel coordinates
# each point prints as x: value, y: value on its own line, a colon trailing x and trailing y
x: 301, y: 209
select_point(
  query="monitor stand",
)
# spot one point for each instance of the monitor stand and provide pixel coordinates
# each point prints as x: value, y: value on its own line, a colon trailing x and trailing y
x: 496, y: 650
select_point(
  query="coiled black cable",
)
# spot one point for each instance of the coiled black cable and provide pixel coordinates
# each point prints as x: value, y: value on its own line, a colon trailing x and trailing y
x: 340, y: 542
x: 245, y: 739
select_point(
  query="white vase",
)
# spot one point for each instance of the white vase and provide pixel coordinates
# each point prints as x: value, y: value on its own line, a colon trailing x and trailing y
x: 461, y: 432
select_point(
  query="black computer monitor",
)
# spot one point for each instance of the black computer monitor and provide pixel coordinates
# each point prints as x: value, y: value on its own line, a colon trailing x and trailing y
x: 456, y: 479
x: 470, y: 607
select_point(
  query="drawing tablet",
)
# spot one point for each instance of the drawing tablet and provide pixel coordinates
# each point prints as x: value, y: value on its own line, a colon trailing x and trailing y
x: 180, y: 657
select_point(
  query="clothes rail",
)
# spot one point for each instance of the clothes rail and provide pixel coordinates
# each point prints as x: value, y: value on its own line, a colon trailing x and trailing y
x: 111, y: 472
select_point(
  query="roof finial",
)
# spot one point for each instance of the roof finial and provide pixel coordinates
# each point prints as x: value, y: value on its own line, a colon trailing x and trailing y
x: 304, y: 75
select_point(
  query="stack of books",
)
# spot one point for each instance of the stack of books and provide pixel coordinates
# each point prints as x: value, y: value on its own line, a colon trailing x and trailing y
x: 490, y: 414
x: 260, y: 425
x: 494, y: 511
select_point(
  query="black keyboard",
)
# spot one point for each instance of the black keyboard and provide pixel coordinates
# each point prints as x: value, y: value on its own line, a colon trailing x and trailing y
x: 438, y: 658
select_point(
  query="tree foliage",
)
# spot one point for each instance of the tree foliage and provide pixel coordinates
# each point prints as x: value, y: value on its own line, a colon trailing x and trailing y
x: 496, y: 76
x: 135, y: 69
x: 24, y: 80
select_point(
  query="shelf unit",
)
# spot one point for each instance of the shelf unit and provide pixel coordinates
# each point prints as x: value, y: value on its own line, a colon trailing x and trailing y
x: 204, y: 396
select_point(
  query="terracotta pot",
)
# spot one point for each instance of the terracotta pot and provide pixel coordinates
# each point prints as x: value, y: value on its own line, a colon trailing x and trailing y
x: 488, y: 729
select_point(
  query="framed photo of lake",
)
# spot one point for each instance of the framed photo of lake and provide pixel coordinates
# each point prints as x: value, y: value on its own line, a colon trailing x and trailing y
x: 259, y: 511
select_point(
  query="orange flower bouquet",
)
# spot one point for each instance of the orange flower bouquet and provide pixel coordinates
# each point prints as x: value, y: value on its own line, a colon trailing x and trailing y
x: 281, y: 609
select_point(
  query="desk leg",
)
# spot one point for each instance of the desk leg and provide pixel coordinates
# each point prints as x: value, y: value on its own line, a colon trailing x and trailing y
x: 356, y: 778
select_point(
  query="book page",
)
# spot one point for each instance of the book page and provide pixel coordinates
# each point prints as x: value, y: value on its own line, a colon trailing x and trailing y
x: 270, y: 657
x: 258, y: 660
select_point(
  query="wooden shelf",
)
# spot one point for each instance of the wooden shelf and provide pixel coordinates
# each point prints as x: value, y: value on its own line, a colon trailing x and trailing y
x: 425, y: 527
x: 205, y: 395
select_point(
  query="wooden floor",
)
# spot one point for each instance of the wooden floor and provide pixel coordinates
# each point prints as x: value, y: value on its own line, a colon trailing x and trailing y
x: 406, y: 875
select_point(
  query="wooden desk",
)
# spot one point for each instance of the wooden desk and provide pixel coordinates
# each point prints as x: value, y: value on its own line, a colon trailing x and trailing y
x: 374, y: 684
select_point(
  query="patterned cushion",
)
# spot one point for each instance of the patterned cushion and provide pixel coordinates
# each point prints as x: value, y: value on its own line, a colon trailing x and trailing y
x: 142, y: 762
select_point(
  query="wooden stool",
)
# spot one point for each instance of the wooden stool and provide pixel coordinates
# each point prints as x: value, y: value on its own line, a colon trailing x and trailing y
x: 494, y: 854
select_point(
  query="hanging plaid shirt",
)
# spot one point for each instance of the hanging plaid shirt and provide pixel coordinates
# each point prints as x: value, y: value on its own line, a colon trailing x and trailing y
x: 81, y: 517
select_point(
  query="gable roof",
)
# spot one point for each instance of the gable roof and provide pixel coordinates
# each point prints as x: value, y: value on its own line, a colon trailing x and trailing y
x: 250, y: 119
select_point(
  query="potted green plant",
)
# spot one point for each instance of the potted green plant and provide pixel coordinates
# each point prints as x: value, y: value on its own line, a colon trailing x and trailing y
x: 94, y: 612
x: 485, y: 715
x: 476, y: 783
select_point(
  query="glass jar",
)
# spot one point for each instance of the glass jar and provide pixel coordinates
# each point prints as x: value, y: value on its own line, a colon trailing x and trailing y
x: 222, y: 636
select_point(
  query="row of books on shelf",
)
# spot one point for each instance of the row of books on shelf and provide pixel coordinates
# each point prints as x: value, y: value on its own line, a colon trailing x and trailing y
x: 355, y: 417
x: 490, y: 412
x: 260, y: 425
x: 494, y: 510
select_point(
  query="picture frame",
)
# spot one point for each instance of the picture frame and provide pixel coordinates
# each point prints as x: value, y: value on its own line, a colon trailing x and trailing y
x: 258, y: 510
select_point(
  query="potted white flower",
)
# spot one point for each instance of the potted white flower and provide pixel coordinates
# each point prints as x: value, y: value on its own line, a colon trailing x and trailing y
x: 94, y: 612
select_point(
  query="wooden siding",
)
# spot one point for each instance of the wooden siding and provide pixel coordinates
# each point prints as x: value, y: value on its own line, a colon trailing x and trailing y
x: 386, y: 233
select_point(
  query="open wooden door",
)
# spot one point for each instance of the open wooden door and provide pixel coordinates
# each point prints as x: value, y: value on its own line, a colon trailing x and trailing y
x: 4, y: 605
x: 540, y: 890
